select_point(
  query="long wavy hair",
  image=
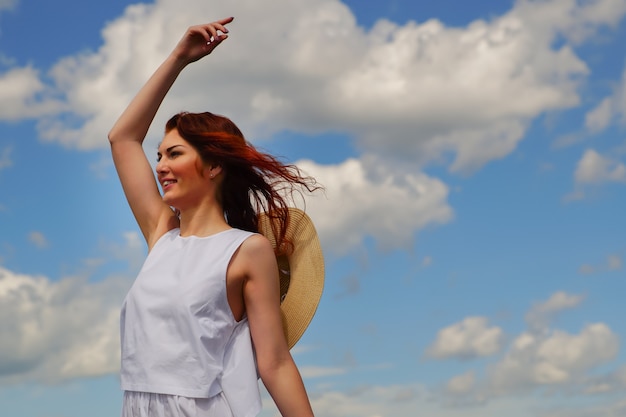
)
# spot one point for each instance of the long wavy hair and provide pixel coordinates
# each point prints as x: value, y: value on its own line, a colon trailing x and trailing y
x: 253, y: 182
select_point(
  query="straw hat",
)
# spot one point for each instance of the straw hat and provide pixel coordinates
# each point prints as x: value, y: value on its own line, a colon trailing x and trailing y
x: 301, y: 273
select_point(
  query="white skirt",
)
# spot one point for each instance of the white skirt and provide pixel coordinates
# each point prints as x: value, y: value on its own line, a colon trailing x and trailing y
x: 146, y: 404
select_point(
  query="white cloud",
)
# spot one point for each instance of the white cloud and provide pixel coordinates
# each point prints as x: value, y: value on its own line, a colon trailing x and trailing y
x: 400, y: 400
x: 557, y: 358
x: 540, y: 315
x: 417, y: 91
x: 408, y: 94
x: 366, y: 401
x: 599, y: 118
x: 23, y: 95
x: 320, y: 371
x: 66, y: 329
x: 461, y: 384
x: 611, y: 108
x: 385, y: 206
x: 614, y: 381
x: 603, y: 409
x: 469, y: 338
x: 594, y: 168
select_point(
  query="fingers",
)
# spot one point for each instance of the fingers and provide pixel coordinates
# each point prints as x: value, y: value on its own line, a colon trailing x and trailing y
x: 201, y: 40
x: 211, y: 31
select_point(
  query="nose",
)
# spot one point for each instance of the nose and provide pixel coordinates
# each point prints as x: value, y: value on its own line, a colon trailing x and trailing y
x: 161, y: 166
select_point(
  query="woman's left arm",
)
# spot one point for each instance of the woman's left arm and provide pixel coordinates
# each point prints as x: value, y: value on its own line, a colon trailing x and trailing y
x: 261, y: 293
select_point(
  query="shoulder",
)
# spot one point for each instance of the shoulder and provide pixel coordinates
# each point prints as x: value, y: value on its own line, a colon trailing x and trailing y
x: 253, y: 255
x: 257, y: 246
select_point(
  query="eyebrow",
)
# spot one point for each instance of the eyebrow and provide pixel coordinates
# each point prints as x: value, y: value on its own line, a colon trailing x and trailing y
x: 169, y: 149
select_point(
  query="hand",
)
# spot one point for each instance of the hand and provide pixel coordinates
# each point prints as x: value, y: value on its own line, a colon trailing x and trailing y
x: 201, y: 40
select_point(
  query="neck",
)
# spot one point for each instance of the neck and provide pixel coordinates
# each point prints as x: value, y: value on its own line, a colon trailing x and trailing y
x: 203, y: 220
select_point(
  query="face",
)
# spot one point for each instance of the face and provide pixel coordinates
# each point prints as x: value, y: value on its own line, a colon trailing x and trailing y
x: 183, y: 176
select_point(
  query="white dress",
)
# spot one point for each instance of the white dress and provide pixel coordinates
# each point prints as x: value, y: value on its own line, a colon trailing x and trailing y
x: 183, y: 352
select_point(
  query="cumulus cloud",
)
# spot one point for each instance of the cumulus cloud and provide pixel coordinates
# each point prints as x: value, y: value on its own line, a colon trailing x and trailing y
x: 608, y: 408
x: 384, y: 206
x: 469, y: 338
x: 371, y: 401
x: 53, y: 330
x: 612, y: 382
x: 24, y: 95
x: 418, y: 90
x: 461, y: 384
x: 66, y: 328
x: 408, y: 95
x: 594, y: 168
x: 558, y: 358
x: 610, y: 108
x: 540, y: 358
x: 540, y: 315
x: 319, y: 371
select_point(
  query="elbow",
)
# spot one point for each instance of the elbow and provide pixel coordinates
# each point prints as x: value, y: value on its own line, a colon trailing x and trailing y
x: 269, y: 367
x: 112, y: 136
x: 266, y: 370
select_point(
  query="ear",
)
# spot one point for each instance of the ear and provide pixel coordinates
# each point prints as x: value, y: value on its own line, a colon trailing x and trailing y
x: 214, y: 170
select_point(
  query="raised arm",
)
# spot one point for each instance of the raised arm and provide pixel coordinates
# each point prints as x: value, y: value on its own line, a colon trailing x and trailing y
x: 153, y: 216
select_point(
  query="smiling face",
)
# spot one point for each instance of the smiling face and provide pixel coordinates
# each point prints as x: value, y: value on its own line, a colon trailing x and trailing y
x: 185, y: 179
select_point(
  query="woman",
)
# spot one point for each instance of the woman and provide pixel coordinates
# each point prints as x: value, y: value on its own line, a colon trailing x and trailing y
x: 186, y: 348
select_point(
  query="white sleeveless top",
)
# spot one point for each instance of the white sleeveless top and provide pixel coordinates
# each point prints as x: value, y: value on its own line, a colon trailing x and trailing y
x: 178, y: 333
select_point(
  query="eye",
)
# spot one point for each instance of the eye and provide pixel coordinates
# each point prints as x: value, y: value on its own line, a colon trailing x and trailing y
x: 174, y: 154
x: 158, y: 158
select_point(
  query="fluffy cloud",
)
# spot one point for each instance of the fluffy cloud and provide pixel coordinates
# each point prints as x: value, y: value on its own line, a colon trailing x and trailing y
x: 409, y: 94
x: 558, y: 358
x: 357, y: 204
x: 24, y: 95
x: 615, y: 381
x: 594, y: 168
x: 66, y: 329
x: 541, y: 357
x: 469, y: 338
x: 610, y: 108
x: 539, y: 316
x: 367, y: 400
x: 417, y: 91
x: 461, y: 384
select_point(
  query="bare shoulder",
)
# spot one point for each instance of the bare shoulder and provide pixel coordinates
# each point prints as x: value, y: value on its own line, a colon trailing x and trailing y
x: 254, y: 256
x: 256, y: 248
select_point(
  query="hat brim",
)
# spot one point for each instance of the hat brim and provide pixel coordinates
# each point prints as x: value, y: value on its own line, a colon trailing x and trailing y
x: 301, y: 272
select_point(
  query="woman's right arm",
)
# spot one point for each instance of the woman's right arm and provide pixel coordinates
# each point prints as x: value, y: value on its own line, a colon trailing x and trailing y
x: 153, y: 216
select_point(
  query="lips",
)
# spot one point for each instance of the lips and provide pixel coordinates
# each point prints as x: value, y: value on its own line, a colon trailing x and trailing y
x: 166, y: 183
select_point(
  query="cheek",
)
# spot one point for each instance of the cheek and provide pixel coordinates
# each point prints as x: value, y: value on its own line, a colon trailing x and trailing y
x: 200, y: 168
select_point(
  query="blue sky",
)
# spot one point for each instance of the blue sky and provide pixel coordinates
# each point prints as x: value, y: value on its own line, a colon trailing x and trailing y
x: 474, y: 158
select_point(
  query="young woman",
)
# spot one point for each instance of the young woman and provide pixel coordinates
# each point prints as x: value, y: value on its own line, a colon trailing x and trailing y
x: 204, y: 312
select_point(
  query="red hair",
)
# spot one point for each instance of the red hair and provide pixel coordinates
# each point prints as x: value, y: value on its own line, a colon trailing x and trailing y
x: 253, y: 181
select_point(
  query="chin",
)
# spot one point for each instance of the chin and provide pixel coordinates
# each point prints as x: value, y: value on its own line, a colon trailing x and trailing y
x: 169, y: 201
